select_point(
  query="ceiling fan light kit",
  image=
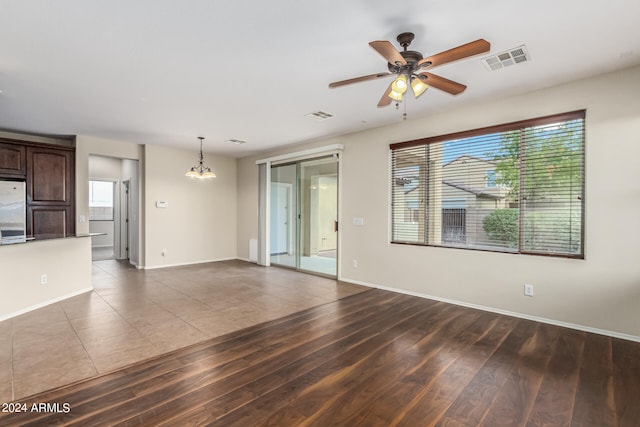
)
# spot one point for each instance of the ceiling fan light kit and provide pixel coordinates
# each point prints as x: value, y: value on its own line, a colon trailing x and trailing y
x: 418, y: 86
x: 408, y: 64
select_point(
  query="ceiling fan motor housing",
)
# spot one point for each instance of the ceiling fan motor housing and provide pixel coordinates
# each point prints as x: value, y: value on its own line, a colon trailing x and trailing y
x: 412, y: 57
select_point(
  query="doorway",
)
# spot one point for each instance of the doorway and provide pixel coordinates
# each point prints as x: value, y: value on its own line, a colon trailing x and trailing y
x: 304, y: 215
x: 116, y: 220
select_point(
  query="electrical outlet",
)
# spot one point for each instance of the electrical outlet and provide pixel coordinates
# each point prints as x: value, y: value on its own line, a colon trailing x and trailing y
x: 528, y: 290
x: 164, y: 252
x: 43, y: 279
x: 354, y: 263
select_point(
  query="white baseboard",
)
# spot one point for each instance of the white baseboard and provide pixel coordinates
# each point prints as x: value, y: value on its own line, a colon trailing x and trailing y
x: 44, y: 304
x: 154, y: 267
x: 246, y: 260
x: 554, y: 322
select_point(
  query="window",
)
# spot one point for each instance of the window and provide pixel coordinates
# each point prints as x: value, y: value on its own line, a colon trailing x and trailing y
x: 517, y: 187
x: 491, y: 179
x: 101, y: 200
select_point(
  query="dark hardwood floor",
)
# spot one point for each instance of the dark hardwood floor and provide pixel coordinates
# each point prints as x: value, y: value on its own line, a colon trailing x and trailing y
x: 373, y: 359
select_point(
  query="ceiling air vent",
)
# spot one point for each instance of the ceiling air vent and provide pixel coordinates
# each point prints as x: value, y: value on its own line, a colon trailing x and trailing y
x: 319, y: 115
x: 504, y: 59
x: 236, y: 141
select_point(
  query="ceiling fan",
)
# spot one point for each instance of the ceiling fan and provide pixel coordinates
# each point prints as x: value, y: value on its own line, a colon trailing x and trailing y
x: 407, y: 66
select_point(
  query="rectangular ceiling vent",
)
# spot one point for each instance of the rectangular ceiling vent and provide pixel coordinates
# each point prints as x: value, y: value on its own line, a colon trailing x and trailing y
x: 507, y: 58
x: 236, y: 141
x: 319, y: 115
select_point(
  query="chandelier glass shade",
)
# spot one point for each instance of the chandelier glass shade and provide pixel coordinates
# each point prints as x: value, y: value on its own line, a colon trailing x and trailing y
x: 200, y: 171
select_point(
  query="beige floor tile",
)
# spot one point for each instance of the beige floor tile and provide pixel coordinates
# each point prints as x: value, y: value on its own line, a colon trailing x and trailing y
x: 39, y: 365
x: 108, y: 361
x: 28, y: 332
x: 5, y: 341
x: 97, y: 320
x: 97, y: 341
x: 6, y: 386
x: 34, y: 353
x: 85, y: 305
x: 41, y: 316
x: 52, y: 375
x: 213, y: 325
x: 148, y: 316
x: 172, y: 335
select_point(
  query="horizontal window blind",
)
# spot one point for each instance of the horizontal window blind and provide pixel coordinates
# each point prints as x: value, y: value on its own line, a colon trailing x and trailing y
x: 516, y: 187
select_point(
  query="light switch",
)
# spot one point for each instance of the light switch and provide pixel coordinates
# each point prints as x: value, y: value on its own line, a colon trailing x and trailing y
x: 162, y: 204
x: 358, y: 221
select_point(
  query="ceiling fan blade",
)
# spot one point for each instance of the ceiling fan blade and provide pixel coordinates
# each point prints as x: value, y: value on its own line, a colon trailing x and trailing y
x: 385, y: 100
x: 390, y: 53
x: 441, y: 83
x: 463, y: 51
x: 358, y: 79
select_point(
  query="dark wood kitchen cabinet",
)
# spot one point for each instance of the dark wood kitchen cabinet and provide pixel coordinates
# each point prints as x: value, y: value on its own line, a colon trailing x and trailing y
x: 49, y: 173
x: 50, y: 192
x: 13, y: 160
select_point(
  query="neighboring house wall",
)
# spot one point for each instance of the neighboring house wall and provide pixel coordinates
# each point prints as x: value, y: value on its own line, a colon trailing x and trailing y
x: 599, y: 292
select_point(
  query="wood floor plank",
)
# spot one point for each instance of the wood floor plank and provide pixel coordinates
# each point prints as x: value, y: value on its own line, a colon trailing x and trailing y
x: 434, y: 401
x: 555, y: 400
x: 594, y: 406
x: 626, y: 383
x: 324, y: 385
x: 361, y: 394
x: 512, y: 404
x: 375, y: 359
x: 471, y: 327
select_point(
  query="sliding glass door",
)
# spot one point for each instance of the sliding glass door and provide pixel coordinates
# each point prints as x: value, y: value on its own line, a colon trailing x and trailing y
x: 304, y: 214
x: 283, y: 214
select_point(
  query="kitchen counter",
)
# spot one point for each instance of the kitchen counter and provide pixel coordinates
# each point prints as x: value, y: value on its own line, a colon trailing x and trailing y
x: 31, y: 239
x: 41, y: 272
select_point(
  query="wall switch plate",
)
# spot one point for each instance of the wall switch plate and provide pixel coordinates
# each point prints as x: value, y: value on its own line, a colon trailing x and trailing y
x: 354, y: 263
x: 43, y: 279
x: 358, y: 221
x: 528, y: 290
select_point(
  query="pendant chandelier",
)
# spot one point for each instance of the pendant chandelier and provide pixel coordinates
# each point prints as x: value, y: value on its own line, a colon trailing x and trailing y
x: 200, y: 171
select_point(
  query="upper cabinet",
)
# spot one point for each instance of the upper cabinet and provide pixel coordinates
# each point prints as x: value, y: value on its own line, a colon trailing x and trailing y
x: 49, y: 173
x: 13, y: 160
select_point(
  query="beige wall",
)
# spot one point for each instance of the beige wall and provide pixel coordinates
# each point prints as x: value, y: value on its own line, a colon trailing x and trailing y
x: 601, y: 292
x: 200, y: 222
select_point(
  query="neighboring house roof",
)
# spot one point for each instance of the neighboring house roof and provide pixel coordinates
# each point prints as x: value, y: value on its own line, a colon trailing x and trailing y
x: 467, y: 156
x: 475, y: 191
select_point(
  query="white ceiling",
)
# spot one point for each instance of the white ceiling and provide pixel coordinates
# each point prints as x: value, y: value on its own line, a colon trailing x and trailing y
x: 167, y: 71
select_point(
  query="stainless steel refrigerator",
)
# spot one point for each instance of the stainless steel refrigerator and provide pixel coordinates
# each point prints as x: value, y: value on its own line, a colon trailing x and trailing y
x: 12, y: 212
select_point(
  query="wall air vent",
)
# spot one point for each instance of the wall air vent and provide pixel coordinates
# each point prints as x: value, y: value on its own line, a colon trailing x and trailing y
x: 319, y: 115
x: 507, y: 58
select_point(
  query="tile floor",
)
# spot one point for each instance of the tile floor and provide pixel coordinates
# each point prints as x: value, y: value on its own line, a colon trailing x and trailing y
x: 134, y: 314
